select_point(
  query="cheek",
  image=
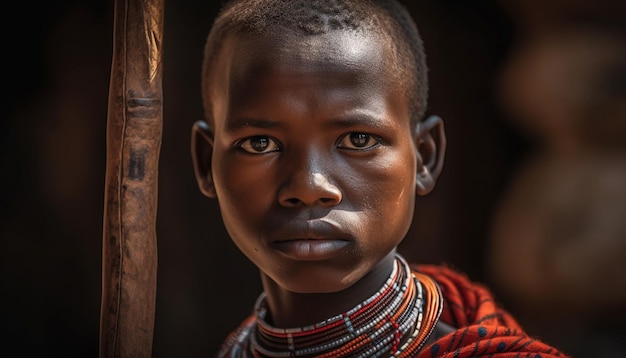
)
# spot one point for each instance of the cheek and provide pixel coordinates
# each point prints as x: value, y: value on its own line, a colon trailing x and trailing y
x: 386, y: 190
x: 244, y: 192
x: 396, y: 201
x: 393, y: 178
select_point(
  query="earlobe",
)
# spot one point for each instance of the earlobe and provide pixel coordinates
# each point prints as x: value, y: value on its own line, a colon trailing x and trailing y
x: 430, y: 142
x: 424, y: 181
x: 201, y: 154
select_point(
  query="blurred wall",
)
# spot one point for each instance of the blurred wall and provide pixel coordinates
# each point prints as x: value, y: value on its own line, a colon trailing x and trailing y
x: 53, y: 155
x: 557, y: 244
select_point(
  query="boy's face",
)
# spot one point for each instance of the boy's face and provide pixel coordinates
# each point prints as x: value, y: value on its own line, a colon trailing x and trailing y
x: 311, y: 156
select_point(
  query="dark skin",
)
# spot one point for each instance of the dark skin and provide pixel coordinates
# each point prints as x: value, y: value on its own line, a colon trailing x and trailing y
x: 315, y: 165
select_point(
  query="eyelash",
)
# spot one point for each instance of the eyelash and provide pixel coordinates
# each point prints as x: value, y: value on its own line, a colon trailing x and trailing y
x: 369, y: 138
x: 246, y: 145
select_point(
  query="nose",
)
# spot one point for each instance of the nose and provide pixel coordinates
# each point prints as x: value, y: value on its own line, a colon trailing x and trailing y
x: 307, y: 186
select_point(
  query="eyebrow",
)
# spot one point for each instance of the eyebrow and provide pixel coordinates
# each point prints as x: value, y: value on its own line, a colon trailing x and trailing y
x: 359, y: 119
x: 244, y: 122
x: 348, y: 121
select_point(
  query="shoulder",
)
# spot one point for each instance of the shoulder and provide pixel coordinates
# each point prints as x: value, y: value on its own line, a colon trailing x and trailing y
x: 475, y: 324
x: 466, y: 301
x: 236, y: 344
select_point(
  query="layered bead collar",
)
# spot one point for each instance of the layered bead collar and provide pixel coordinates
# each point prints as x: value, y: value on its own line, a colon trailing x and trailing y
x: 394, y: 322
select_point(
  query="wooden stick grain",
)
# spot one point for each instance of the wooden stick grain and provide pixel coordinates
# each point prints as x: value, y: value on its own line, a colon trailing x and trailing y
x: 134, y: 131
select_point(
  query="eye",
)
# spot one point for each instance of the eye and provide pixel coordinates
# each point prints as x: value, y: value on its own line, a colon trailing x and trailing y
x: 259, y: 145
x: 358, y: 141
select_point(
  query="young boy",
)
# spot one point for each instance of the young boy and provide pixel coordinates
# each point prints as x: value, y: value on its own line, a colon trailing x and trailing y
x: 315, y: 146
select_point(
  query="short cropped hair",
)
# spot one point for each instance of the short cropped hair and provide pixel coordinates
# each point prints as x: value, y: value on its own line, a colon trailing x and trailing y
x: 388, y: 18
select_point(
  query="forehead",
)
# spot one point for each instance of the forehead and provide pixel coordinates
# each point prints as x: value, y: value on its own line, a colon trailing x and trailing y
x: 336, y: 47
x: 363, y: 55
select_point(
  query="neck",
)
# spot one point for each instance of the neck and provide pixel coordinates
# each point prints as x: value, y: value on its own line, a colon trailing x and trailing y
x: 290, y: 309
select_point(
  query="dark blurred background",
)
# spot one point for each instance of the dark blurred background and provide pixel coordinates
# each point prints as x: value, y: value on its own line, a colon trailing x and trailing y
x: 570, y: 291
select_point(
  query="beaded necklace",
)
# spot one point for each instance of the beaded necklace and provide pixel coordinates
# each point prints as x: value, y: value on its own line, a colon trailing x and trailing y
x: 394, y: 322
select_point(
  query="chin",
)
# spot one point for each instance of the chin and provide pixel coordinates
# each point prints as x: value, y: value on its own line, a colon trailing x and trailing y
x: 316, y: 288
x: 316, y: 280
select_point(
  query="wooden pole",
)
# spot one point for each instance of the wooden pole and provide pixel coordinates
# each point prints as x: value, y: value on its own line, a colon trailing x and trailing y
x: 134, y: 130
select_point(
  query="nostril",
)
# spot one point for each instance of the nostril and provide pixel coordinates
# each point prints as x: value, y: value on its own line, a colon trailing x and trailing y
x: 293, y: 201
x: 309, y: 190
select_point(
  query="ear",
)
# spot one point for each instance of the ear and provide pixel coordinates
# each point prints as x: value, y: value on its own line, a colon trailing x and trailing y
x: 201, y: 154
x: 430, y: 144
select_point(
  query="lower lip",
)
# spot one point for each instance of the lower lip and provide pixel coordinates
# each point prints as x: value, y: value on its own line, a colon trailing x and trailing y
x: 312, y: 249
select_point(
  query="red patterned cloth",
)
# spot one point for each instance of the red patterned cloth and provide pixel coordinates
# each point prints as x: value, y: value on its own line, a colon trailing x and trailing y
x: 486, y: 330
